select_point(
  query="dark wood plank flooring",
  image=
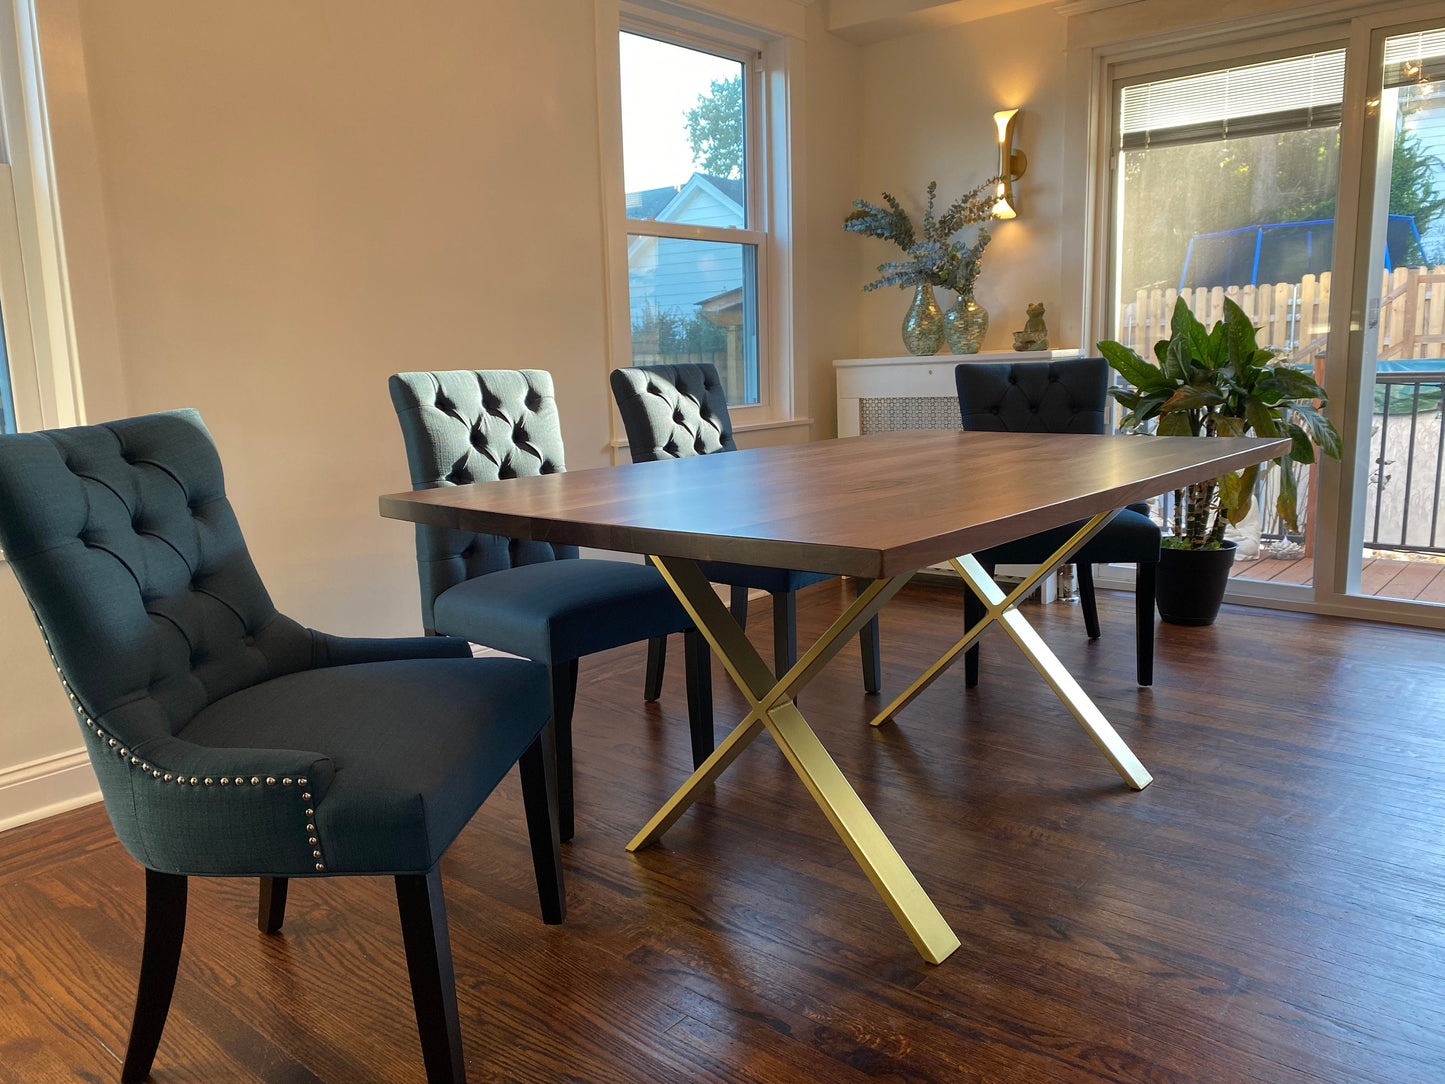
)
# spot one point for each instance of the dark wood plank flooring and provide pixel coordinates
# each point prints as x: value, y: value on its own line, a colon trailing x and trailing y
x: 1271, y: 909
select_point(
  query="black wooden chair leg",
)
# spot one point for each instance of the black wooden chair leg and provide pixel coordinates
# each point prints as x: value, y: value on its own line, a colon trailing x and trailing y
x: 564, y: 698
x: 1144, y: 622
x: 868, y: 645
x: 271, y: 912
x: 160, y: 958
x: 656, y: 664
x: 538, y: 769
x: 699, y: 694
x: 433, y: 984
x: 739, y: 606
x: 1085, y: 576
x: 785, y: 631
x: 973, y: 612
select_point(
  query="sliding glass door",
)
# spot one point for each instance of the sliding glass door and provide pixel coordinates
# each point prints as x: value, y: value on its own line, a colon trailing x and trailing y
x: 1396, y: 529
x: 1225, y: 187
x: 1304, y: 179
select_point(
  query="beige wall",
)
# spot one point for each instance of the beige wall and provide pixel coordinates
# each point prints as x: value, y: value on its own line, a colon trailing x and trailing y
x: 928, y: 111
x: 272, y: 206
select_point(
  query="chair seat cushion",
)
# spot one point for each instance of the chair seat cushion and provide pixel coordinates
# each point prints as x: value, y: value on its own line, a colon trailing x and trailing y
x: 556, y: 611
x: 1129, y: 538
x: 416, y: 747
x: 759, y: 577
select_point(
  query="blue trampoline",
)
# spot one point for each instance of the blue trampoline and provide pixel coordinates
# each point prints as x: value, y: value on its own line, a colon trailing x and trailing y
x: 1283, y: 252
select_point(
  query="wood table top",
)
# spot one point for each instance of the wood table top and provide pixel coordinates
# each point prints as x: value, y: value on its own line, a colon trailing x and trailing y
x: 874, y: 506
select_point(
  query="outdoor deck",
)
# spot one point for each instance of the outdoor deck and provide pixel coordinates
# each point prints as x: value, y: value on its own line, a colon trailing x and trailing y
x: 1421, y: 580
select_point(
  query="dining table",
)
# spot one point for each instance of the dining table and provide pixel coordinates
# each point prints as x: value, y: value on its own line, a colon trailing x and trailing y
x: 879, y: 508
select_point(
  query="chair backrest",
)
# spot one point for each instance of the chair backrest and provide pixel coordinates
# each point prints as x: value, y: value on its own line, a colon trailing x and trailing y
x: 1063, y: 396
x: 476, y: 426
x: 673, y: 411
x: 130, y: 555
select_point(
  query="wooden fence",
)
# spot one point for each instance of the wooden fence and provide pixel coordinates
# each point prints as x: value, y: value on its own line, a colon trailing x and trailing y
x: 1295, y: 316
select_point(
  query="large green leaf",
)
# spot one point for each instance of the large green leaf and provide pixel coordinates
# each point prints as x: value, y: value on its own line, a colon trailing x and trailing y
x: 1149, y: 404
x: 1240, y: 333
x: 1287, y: 503
x: 1132, y: 367
x: 1321, y: 430
x: 1125, y: 397
x: 1192, y: 397
x: 1226, y: 425
x: 1260, y: 418
x: 1175, y: 425
x: 1183, y: 323
x: 1246, y: 494
x: 1218, y: 354
x: 1229, y: 490
x: 1176, y: 358
x: 1291, y: 384
x: 1301, y: 449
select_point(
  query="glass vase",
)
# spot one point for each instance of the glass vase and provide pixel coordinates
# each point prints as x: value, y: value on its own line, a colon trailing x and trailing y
x: 923, y: 324
x: 965, y: 325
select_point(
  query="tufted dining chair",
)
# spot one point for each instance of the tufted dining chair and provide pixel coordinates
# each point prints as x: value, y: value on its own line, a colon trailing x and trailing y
x: 230, y: 741
x: 675, y: 411
x: 534, y: 599
x: 1062, y: 396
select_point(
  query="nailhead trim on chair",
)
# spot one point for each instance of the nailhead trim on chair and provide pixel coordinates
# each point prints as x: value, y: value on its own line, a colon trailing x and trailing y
x: 312, y: 838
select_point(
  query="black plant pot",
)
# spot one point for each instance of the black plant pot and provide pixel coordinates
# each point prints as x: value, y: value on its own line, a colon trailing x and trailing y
x: 1190, y: 584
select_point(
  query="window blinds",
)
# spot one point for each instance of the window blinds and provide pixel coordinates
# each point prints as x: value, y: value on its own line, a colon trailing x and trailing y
x: 1276, y: 96
x: 1415, y: 58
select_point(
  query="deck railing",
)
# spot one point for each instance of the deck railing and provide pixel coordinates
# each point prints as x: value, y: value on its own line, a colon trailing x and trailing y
x: 1407, y: 449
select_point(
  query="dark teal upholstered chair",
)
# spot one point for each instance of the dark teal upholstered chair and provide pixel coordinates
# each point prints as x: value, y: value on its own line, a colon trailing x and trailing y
x: 1065, y: 396
x: 533, y: 599
x: 228, y: 740
x: 675, y: 411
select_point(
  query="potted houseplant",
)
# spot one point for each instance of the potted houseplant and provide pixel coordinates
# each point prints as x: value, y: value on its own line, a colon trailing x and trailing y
x: 935, y: 259
x: 1217, y: 383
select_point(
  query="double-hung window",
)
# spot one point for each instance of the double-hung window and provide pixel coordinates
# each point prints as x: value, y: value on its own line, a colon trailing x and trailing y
x: 697, y: 243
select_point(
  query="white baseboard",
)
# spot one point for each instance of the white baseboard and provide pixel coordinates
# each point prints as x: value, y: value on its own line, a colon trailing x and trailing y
x: 41, y: 788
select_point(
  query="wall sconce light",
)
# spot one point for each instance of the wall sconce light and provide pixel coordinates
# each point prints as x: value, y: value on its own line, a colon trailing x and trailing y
x: 1011, y: 164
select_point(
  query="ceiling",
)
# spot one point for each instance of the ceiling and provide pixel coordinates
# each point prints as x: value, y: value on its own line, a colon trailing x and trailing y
x: 866, y: 21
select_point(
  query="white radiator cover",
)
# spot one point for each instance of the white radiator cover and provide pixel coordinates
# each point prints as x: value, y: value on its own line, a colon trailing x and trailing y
x: 882, y: 395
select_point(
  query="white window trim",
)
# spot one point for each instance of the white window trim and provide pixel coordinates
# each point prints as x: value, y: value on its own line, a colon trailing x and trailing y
x: 775, y: 158
x: 34, y: 288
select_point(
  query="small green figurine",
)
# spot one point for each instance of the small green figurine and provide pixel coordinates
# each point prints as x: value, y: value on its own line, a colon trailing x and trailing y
x: 1035, y: 335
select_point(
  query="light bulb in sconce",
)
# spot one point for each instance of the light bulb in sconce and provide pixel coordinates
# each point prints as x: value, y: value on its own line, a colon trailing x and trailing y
x: 1011, y: 164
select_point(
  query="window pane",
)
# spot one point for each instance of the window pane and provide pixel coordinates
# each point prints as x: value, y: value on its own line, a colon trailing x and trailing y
x: 683, y: 134
x: 1250, y: 218
x: 696, y: 301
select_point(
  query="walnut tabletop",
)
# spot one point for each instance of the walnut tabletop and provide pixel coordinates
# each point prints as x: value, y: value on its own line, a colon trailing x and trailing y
x: 872, y: 506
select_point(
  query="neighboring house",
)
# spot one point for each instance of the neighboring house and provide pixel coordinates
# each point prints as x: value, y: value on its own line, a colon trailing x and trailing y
x: 676, y: 276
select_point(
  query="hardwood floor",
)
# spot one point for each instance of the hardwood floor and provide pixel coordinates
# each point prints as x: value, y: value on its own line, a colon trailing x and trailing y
x: 1271, y: 909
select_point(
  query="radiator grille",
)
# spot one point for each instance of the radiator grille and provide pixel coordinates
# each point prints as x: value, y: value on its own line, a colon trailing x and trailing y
x: 880, y: 415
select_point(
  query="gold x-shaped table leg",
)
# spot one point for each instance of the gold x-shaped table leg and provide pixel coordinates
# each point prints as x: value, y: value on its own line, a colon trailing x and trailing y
x: 771, y: 708
x: 1001, y: 609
